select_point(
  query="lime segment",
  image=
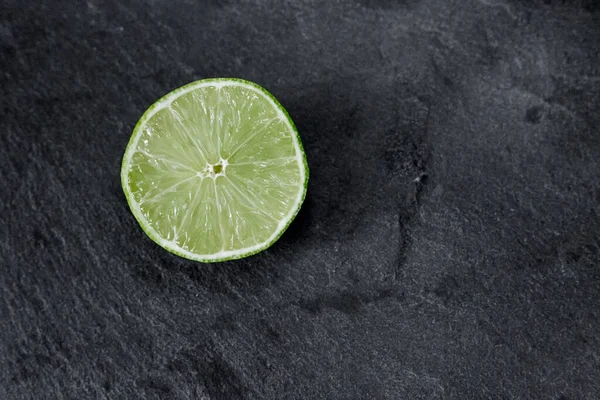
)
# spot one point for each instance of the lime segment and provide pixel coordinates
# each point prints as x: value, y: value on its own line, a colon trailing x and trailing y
x: 215, y: 170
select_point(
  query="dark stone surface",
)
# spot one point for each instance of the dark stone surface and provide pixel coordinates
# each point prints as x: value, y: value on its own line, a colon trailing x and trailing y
x: 448, y: 248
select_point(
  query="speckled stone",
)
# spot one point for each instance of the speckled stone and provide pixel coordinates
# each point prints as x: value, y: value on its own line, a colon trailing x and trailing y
x: 448, y: 247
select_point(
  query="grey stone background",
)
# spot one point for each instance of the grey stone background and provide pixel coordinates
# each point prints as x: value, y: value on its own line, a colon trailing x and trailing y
x: 449, y: 246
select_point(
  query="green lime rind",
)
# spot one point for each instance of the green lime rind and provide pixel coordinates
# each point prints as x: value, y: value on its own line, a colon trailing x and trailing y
x: 145, y: 225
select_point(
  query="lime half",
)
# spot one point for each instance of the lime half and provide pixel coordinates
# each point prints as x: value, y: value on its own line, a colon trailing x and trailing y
x: 215, y: 170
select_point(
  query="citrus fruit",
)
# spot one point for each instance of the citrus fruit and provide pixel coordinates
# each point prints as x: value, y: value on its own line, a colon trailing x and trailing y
x: 215, y: 170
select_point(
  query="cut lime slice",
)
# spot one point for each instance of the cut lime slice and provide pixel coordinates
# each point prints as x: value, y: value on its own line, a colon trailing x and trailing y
x: 215, y: 170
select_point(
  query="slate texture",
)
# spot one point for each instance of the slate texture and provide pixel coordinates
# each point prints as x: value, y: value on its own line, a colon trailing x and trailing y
x: 449, y: 246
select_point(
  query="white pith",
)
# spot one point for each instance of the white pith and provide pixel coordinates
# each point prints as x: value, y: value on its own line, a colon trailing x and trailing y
x: 209, y: 173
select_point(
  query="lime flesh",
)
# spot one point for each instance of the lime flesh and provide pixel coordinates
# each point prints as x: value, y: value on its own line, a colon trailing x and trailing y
x: 215, y: 170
